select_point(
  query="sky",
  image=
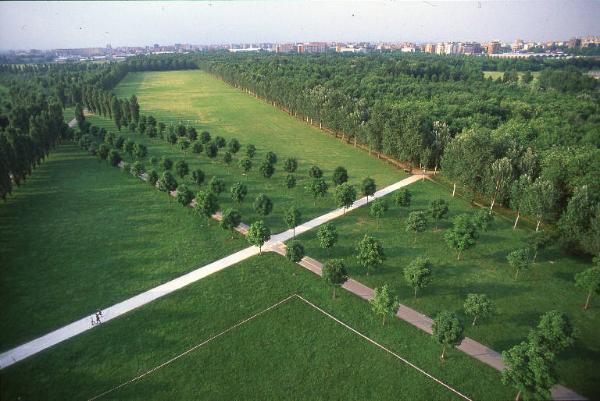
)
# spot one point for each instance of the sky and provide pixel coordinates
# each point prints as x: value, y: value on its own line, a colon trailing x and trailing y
x: 49, y: 25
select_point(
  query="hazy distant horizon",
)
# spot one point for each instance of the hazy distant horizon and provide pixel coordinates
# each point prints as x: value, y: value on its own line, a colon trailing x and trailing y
x: 52, y: 25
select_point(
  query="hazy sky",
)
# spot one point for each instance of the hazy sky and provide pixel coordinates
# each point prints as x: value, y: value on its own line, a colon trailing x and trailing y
x: 44, y: 25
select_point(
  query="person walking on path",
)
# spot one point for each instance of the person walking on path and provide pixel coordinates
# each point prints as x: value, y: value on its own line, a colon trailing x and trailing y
x: 98, y: 314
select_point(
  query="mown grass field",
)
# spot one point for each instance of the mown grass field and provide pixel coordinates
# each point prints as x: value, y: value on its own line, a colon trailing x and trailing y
x: 499, y: 74
x: 292, y: 352
x: 79, y: 235
x: 274, y: 187
x: 483, y: 269
x: 209, y: 104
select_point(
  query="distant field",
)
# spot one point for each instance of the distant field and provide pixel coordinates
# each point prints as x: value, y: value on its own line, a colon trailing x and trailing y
x: 292, y: 352
x: 483, y: 269
x: 211, y: 104
x: 500, y: 74
x: 79, y: 235
x: 199, y: 99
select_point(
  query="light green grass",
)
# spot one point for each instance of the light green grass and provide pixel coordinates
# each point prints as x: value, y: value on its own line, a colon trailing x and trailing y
x: 499, y: 74
x: 483, y: 269
x: 210, y: 104
x: 310, y: 146
x: 292, y: 352
x: 79, y: 235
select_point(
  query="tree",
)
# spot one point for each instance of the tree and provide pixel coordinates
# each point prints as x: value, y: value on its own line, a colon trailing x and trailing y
x: 238, y: 192
x: 216, y: 185
x: 290, y: 181
x: 271, y: 158
x: 447, y: 330
x: 258, y: 234
x: 167, y: 182
x: 134, y: 108
x: 378, y: 209
x: 165, y: 163
x: 520, y: 260
x: 384, y: 303
x: 152, y: 177
x: 191, y: 133
x: 416, y: 223
x: 250, y: 151
x: 334, y: 273
x: 462, y: 235
x: 198, y: 176
x: 368, y: 187
x: 227, y: 159
x: 294, y: 251
x: 211, y: 150
x: 114, y: 158
x: 540, y: 200
x: 290, y: 165
x: 182, y: 168
x: 318, y: 187
x: 575, y: 221
x: 438, y: 209
x: 345, y: 195
x: 197, y: 147
x: 103, y: 151
x: 315, y: 172
x: 327, y: 236
x: 266, y: 169
x: 220, y: 142
x: 137, y: 169
x: 119, y: 142
x: 554, y: 333
x: 263, y: 205
x: 292, y: 218
x: 530, y: 370
x: 207, y: 204
x: 418, y: 274
x: 482, y: 219
x: 245, y: 164
x: 141, y: 151
x: 340, y: 176
x: 369, y: 253
x: 231, y: 219
x: 129, y: 147
x: 589, y: 281
x: 184, y: 195
x: 403, y: 197
x: 171, y: 138
x: 233, y: 146
x: 184, y: 144
x: 539, y: 240
x: 518, y: 192
x: 478, y: 305
x: 205, y: 137
x: 501, y: 175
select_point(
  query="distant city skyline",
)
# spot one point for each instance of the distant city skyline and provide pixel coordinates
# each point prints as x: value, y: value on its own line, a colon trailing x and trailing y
x: 52, y: 25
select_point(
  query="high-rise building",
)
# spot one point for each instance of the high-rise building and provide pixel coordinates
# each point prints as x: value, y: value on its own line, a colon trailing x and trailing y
x: 492, y: 47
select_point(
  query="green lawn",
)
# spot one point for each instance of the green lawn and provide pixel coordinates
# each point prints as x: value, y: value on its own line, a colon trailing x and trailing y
x: 499, y: 74
x: 210, y: 104
x: 79, y: 235
x: 292, y: 352
x: 274, y: 187
x: 549, y: 285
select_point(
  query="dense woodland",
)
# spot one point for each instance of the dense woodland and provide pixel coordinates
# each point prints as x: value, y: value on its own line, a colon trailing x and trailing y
x: 529, y: 140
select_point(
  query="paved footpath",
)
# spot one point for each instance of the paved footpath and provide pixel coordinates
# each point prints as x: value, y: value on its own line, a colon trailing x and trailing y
x: 82, y: 325
x: 423, y: 322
